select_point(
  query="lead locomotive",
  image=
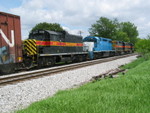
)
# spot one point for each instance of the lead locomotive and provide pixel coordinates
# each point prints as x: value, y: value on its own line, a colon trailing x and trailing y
x: 45, y: 48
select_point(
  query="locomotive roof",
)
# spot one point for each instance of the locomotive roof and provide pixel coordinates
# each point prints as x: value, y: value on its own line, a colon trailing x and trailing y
x: 48, y: 31
x: 96, y: 38
x: 53, y: 32
x: 63, y: 32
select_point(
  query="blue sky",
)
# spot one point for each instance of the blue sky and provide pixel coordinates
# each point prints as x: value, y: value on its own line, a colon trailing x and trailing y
x: 5, y: 5
x: 78, y: 15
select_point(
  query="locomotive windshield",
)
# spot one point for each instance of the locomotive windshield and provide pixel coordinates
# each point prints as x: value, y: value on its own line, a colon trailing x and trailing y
x: 38, y: 36
x: 90, y: 40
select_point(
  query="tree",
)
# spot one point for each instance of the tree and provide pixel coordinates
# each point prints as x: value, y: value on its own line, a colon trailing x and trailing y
x: 142, y: 46
x: 48, y: 26
x: 121, y: 36
x: 148, y: 36
x: 130, y: 29
x: 124, y: 31
x: 104, y: 27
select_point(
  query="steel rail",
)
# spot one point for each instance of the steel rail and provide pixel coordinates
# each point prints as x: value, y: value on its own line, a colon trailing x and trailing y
x: 15, y: 78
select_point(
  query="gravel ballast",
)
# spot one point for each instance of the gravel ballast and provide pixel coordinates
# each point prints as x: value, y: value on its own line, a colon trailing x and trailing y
x: 21, y: 95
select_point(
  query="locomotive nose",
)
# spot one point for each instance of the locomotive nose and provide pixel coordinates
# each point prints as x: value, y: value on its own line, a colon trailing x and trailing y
x: 30, y: 47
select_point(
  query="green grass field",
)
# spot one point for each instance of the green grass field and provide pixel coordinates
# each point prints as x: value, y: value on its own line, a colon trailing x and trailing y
x: 129, y: 93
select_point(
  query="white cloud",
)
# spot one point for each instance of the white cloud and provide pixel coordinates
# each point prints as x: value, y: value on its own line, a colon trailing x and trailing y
x: 80, y: 14
x: 76, y: 31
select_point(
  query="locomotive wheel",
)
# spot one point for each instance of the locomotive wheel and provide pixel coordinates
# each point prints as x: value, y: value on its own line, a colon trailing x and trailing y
x: 74, y: 59
x: 77, y: 59
x: 28, y: 62
x: 80, y: 58
x: 45, y: 62
x: 51, y: 62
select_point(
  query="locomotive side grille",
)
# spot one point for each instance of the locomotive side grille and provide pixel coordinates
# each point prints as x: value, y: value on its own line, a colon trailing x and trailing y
x: 30, y: 47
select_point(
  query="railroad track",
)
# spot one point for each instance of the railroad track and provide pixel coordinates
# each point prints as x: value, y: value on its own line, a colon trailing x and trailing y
x: 15, y: 78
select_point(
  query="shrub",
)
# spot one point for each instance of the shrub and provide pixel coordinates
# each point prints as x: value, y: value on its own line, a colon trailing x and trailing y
x: 143, y: 47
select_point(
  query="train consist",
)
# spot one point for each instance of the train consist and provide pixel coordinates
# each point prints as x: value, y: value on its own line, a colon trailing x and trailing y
x: 45, y: 48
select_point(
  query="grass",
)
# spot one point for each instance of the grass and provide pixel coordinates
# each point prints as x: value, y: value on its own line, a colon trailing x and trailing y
x: 134, y: 63
x: 129, y: 93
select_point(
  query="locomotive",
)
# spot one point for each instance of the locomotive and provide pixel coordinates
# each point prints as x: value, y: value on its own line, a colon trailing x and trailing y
x: 45, y: 48
x: 102, y: 47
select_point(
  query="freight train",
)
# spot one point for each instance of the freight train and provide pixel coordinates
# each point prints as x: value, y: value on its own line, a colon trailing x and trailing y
x: 45, y: 48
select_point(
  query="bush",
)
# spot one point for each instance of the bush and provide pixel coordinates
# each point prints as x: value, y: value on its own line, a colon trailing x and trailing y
x: 146, y: 56
x: 143, y: 47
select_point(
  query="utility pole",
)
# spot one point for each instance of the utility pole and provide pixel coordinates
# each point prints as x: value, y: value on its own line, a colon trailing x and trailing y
x: 80, y: 32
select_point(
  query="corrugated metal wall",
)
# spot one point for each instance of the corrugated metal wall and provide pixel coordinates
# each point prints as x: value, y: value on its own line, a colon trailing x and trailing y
x: 10, y: 38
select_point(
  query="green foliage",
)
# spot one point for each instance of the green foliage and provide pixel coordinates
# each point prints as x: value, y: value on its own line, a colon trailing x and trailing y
x: 134, y: 63
x: 127, y: 94
x: 124, y: 31
x: 130, y: 29
x: 143, y: 46
x: 104, y: 27
x: 47, y: 26
x: 122, y: 36
x: 146, y: 56
x: 148, y: 36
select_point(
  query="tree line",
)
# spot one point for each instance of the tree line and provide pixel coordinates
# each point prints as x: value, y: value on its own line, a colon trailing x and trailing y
x: 115, y: 30
x: 104, y: 27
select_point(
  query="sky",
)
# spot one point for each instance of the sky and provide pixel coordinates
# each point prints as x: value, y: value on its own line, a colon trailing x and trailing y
x: 78, y: 15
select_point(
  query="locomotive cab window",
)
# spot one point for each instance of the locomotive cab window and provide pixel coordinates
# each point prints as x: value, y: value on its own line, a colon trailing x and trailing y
x: 47, y: 37
x: 38, y: 36
x: 104, y: 40
x: 54, y: 37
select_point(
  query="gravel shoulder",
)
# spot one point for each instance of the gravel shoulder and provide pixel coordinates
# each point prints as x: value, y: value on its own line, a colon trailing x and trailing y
x: 21, y: 95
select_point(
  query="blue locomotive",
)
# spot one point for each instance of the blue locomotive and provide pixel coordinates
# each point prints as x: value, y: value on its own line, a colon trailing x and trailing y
x: 99, y: 47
